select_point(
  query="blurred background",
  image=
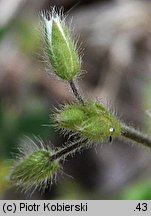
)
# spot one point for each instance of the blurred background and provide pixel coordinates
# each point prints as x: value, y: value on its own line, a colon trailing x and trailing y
x: 116, y: 37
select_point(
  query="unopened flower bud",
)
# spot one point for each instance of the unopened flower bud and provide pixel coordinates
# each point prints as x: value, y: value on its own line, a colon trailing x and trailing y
x: 34, y: 170
x: 60, y: 48
x: 91, y: 121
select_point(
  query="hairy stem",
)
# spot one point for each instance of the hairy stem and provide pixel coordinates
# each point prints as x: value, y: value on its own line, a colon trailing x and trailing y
x: 135, y: 135
x: 76, y: 92
x: 127, y: 132
x: 66, y: 151
x: 75, y: 146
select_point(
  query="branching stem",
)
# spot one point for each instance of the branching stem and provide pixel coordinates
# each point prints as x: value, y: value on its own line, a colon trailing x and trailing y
x: 127, y: 132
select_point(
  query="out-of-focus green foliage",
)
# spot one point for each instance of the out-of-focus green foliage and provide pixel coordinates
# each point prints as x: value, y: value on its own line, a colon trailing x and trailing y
x: 4, y: 172
x: 70, y: 190
x: 27, y: 122
x: 27, y: 37
x: 138, y: 191
x: 3, y: 31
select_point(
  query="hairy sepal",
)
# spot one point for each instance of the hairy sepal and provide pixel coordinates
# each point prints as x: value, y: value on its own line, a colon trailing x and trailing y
x: 34, y: 168
x: 92, y: 122
x: 60, y: 48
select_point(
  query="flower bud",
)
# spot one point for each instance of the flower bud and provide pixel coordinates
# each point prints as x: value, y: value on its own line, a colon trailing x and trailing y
x: 70, y: 116
x: 60, y: 48
x: 91, y: 121
x: 34, y: 170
